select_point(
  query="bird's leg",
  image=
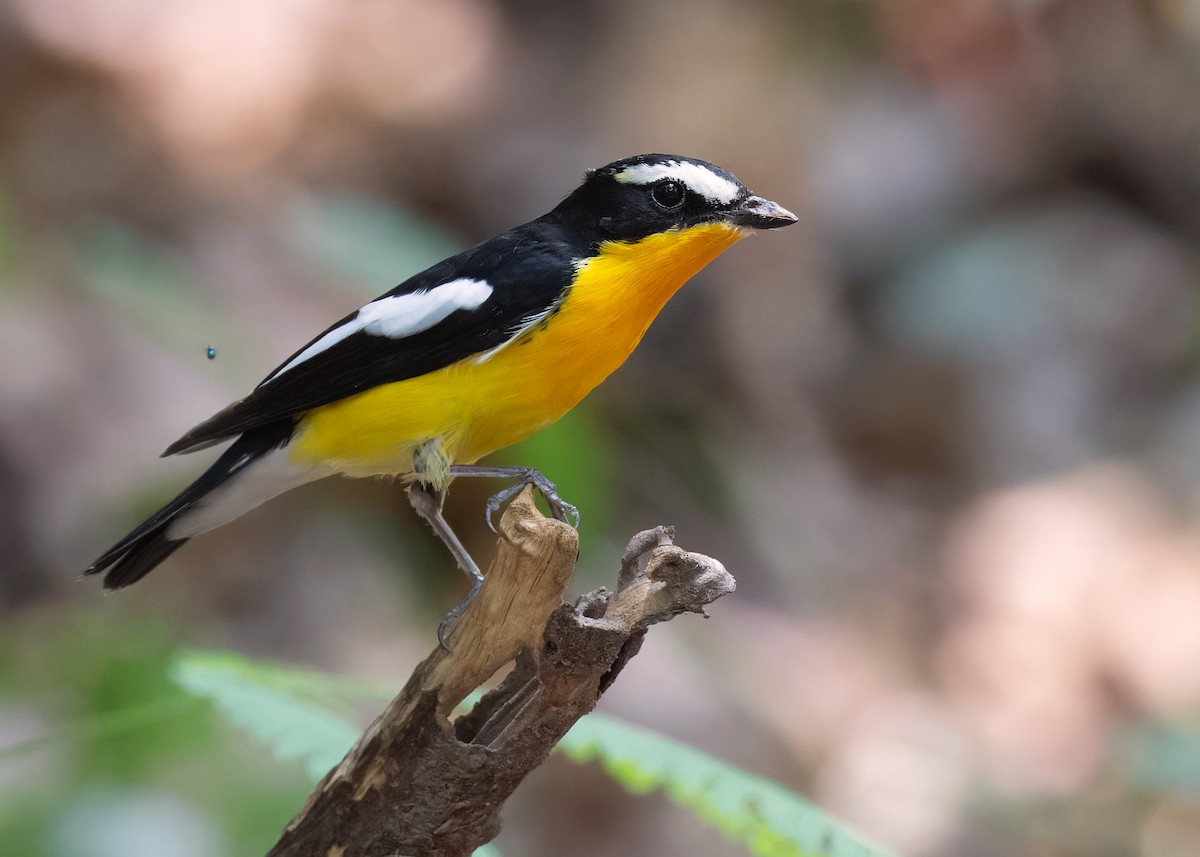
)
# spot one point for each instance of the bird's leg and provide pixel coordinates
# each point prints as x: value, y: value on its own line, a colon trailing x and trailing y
x: 427, y: 501
x: 559, y: 507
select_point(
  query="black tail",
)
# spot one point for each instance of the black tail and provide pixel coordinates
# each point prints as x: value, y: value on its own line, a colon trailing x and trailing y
x: 136, y: 555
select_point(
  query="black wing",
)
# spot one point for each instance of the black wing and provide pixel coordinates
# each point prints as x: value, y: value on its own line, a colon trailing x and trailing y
x: 529, y: 269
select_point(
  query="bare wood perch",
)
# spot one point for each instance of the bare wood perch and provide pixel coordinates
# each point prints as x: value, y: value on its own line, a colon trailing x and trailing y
x: 417, y: 783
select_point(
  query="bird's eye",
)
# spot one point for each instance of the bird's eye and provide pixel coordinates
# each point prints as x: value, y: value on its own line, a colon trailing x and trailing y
x: 668, y: 194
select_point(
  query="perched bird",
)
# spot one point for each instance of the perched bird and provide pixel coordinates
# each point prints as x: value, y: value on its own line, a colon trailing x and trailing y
x: 469, y: 356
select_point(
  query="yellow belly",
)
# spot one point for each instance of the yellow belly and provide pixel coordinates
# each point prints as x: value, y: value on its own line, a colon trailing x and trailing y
x: 474, y: 408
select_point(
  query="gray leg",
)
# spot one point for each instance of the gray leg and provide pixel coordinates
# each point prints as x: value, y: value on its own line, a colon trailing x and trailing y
x: 427, y: 502
x: 559, y: 507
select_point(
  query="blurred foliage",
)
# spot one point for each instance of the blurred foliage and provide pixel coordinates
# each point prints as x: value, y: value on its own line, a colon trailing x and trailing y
x: 112, y: 740
x: 769, y: 820
x: 945, y: 430
x: 278, y: 707
x: 291, y: 711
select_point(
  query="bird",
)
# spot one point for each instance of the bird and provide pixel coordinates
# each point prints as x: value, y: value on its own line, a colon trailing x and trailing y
x: 469, y: 356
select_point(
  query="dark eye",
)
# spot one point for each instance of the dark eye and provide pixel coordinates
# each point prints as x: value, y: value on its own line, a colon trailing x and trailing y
x: 668, y: 194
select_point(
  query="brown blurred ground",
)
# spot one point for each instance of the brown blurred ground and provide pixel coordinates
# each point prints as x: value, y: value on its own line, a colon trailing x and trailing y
x: 946, y: 431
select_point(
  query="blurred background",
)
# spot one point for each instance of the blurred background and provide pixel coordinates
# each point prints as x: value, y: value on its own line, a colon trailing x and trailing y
x: 945, y: 431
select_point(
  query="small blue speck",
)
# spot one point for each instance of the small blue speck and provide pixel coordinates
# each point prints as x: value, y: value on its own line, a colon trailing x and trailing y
x: 212, y: 352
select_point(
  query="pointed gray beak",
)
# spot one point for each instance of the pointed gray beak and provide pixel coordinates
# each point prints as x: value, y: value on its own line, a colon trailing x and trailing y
x: 758, y: 213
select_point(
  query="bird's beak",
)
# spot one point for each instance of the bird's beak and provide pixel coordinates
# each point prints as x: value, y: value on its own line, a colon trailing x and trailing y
x: 758, y: 213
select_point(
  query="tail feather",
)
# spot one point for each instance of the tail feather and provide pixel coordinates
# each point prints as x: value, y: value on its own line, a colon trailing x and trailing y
x: 136, y: 555
x: 138, y: 560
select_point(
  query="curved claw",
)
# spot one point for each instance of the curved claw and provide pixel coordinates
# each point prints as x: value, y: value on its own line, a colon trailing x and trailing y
x: 562, y: 509
x: 499, y: 499
x: 447, y: 624
x: 444, y: 629
x: 559, y: 507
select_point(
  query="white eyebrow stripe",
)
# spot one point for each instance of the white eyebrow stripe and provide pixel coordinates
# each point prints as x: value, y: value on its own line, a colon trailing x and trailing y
x: 710, y: 185
x: 399, y: 316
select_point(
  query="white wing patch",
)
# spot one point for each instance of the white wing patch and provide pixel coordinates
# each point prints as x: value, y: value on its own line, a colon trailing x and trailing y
x: 399, y: 316
x: 712, y: 186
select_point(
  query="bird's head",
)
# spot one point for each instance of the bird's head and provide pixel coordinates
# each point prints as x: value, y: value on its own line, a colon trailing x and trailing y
x: 635, y: 197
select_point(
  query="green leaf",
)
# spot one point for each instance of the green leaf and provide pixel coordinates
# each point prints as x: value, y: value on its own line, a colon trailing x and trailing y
x: 289, y: 711
x: 768, y: 819
x: 275, y: 705
x: 323, y: 688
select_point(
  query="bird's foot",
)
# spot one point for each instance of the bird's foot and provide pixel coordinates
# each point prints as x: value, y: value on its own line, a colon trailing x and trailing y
x: 559, y: 507
x: 447, y: 624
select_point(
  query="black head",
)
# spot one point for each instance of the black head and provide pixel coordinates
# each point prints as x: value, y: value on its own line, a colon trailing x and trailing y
x: 639, y: 196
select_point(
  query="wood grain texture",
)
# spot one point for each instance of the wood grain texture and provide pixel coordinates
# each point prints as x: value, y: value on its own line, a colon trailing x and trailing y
x: 418, y: 782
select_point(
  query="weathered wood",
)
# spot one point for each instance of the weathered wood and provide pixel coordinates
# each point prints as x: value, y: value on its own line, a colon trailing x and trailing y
x: 418, y: 783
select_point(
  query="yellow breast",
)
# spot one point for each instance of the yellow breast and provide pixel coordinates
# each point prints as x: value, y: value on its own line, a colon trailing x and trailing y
x: 476, y: 407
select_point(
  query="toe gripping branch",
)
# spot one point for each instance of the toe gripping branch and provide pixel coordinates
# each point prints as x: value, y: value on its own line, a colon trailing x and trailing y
x: 421, y: 781
x: 559, y: 507
x: 427, y: 501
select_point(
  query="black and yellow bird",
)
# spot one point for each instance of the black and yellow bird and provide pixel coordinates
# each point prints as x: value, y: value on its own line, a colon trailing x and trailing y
x: 469, y: 356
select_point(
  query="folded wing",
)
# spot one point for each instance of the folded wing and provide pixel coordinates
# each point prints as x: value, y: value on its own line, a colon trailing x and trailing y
x: 449, y: 313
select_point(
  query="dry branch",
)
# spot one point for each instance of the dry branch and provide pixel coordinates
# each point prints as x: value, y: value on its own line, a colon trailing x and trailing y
x: 417, y: 783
